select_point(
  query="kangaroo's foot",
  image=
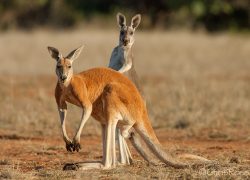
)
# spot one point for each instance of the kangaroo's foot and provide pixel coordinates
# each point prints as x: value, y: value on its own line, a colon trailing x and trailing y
x: 86, y: 166
x: 70, y: 166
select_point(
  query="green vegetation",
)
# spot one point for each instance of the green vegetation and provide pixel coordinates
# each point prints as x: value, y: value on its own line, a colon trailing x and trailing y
x: 213, y: 15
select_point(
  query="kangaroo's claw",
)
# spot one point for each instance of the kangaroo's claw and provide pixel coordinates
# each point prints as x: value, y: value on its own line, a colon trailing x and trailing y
x: 76, y: 146
x: 70, y: 147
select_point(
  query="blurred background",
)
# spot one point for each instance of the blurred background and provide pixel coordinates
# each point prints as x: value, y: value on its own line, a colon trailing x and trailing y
x: 211, y: 15
x: 192, y: 57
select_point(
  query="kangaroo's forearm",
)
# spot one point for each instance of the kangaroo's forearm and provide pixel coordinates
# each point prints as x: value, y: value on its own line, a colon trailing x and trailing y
x: 62, y: 114
x: 85, y: 116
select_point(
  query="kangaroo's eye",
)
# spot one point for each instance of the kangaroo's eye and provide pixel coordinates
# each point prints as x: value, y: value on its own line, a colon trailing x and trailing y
x: 69, y: 66
x: 122, y: 32
x: 131, y: 33
x: 58, y: 66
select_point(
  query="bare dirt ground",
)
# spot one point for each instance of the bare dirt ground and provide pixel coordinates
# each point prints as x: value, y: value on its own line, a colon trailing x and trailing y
x: 198, y: 91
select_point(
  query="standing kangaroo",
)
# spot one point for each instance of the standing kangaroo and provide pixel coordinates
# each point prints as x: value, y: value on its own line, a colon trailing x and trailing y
x: 114, y: 101
x: 122, y: 60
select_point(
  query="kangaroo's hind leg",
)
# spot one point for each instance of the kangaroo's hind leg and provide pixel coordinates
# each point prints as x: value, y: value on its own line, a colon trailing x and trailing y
x: 125, y: 156
x: 112, y: 115
x: 109, y: 153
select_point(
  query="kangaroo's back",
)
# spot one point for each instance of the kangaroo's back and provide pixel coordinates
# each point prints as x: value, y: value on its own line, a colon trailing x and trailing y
x: 102, y: 76
x: 97, y: 79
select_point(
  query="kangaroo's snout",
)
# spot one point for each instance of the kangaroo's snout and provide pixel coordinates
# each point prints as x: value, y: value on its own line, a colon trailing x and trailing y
x: 125, y: 42
x: 63, y: 77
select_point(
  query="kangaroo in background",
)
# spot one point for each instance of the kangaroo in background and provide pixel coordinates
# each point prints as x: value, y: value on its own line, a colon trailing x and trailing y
x: 122, y: 60
x: 114, y: 101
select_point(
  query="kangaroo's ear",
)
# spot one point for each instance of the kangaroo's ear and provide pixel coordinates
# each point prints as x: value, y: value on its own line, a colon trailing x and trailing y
x: 75, y: 53
x: 54, y: 53
x: 136, y: 21
x: 121, y: 19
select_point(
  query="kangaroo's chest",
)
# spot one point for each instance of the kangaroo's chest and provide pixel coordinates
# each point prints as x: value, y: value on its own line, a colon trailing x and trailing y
x: 71, y: 98
x: 116, y: 62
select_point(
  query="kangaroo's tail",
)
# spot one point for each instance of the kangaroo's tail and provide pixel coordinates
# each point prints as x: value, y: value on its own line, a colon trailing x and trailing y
x: 147, y: 133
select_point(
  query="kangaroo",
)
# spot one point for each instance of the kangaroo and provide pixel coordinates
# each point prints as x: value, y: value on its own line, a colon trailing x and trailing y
x: 122, y: 60
x: 113, y: 100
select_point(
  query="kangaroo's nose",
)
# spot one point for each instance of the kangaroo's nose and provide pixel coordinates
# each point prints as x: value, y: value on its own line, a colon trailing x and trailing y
x: 64, y: 77
x: 125, y: 41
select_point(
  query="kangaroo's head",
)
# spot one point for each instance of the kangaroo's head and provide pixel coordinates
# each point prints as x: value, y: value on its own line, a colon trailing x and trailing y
x: 64, y: 70
x: 127, y: 32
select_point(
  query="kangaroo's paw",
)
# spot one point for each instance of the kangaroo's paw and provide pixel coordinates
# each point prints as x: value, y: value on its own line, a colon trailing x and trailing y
x: 69, y: 146
x: 83, y: 166
x: 76, y: 145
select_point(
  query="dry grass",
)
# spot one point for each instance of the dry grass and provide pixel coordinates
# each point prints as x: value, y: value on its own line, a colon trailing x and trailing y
x: 197, y: 87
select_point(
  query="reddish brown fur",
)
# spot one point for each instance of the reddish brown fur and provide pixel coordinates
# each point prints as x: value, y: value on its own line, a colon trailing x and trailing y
x: 110, y: 97
x: 90, y: 86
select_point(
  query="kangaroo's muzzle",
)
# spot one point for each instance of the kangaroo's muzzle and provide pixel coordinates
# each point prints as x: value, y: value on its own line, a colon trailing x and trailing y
x: 63, y: 78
